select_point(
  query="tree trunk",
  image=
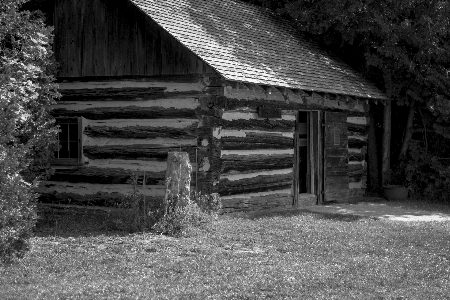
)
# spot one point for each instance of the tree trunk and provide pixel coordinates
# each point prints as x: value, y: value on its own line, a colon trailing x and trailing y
x: 372, y: 154
x: 408, y: 131
x: 386, y: 158
x: 178, y: 180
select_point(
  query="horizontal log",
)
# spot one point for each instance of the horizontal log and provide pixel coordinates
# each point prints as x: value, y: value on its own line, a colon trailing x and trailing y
x: 130, y: 79
x: 135, y: 152
x: 357, y: 178
x: 104, y: 94
x: 126, y: 112
x: 256, y: 203
x: 254, y: 124
x: 123, y: 94
x: 257, y: 142
x: 357, y: 128
x: 250, y: 163
x: 356, y: 143
x: 106, y: 176
x: 255, y: 184
x: 233, y: 104
x: 141, y: 132
x: 352, y: 156
x: 354, y: 169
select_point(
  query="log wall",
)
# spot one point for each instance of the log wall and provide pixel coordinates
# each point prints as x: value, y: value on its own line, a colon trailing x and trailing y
x: 257, y: 154
x: 358, y: 132
x: 128, y: 126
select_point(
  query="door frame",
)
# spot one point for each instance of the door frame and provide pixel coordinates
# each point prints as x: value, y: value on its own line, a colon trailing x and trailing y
x: 314, y: 157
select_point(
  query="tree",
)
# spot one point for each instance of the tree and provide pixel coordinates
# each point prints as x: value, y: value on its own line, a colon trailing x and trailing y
x: 403, y: 46
x: 27, y: 132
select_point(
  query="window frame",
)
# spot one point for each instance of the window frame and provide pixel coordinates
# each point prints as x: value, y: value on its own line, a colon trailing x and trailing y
x: 79, y: 159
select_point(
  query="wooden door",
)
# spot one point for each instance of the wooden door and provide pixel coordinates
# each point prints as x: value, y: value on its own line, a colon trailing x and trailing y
x: 335, y: 165
x: 308, y: 155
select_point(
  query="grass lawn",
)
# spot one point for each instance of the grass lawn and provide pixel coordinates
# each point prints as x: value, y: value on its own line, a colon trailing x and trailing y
x: 290, y: 255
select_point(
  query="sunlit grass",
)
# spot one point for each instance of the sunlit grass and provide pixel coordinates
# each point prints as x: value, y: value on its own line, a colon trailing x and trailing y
x: 294, y: 255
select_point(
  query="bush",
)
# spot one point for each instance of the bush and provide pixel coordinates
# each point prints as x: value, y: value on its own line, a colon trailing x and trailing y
x: 27, y: 131
x: 17, y: 207
x: 199, y: 210
x: 181, y: 217
x: 426, y: 175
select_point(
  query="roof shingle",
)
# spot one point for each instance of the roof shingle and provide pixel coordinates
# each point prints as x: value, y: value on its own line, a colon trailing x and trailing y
x: 247, y: 43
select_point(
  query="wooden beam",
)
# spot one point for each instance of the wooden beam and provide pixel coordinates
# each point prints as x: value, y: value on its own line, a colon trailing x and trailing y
x: 105, y: 176
x: 257, y: 142
x: 126, y: 112
x: 253, y: 124
x: 356, y: 143
x: 248, y: 163
x: 141, y: 132
x: 136, y: 152
x: 255, y: 184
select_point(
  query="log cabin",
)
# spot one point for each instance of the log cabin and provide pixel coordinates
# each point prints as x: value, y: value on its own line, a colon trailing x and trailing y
x: 269, y: 119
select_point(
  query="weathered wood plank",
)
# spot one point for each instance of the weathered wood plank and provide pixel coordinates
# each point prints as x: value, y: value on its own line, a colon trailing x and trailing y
x: 129, y: 43
x: 354, y: 169
x: 123, y: 94
x: 249, y: 163
x: 337, y: 188
x: 135, y: 152
x: 141, y: 132
x: 357, y: 178
x: 106, y: 176
x: 356, y: 143
x: 94, y: 82
x: 357, y: 128
x: 104, y: 94
x: 232, y: 104
x: 255, y: 203
x: 257, y: 142
x: 254, y: 124
x: 129, y: 165
x: 255, y: 184
x: 352, y: 156
x: 126, y: 112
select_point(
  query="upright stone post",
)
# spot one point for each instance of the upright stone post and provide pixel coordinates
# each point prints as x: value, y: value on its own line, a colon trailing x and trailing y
x: 178, y: 181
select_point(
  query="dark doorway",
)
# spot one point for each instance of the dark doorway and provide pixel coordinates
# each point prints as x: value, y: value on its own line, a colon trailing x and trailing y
x: 302, y: 149
x: 308, y: 157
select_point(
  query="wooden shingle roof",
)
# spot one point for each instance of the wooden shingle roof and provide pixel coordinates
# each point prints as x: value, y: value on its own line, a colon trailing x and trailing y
x: 249, y: 44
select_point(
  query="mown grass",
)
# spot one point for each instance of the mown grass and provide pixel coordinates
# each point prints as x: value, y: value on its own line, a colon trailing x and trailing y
x: 288, y: 255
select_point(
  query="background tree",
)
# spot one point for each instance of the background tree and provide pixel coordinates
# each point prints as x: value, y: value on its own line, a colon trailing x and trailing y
x: 27, y: 132
x: 403, y: 46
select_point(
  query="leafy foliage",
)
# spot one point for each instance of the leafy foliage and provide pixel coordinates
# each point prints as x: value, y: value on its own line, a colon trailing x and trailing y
x: 403, y: 46
x: 193, y: 212
x: 428, y: 177
x: 27, y: 133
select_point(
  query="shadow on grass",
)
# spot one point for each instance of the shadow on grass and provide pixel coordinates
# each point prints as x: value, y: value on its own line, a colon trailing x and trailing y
x: 270, y: 213
x: 81, y: 223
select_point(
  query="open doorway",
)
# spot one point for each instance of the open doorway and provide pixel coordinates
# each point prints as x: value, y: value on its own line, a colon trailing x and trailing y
x: 308, y: 158
x: 320, y: 157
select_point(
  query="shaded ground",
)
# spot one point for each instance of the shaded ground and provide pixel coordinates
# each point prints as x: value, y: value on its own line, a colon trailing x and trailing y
x: 370, y: 208
x: 394, y: 211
